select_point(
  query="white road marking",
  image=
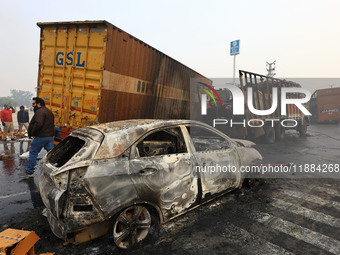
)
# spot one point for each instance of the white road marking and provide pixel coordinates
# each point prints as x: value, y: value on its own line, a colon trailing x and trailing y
x: 329, y: 191
x: 13, y: 195
x: 251, y: 244
x: 308, y: 213
x: 317, y: 239
x: 312, y: 198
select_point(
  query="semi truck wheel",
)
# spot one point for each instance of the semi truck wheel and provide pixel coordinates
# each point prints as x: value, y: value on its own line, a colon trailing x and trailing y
x: 280, y: 133
x: 303, y: 128
x: 269, y: 135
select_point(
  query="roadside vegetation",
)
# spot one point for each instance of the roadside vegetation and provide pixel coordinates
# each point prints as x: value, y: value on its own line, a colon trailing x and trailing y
x: 17, y: 98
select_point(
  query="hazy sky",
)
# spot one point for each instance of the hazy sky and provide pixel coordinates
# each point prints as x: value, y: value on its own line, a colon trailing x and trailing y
x: 302, y: 36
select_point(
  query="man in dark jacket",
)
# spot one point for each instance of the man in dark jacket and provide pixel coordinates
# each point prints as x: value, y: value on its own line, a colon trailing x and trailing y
x: 23, y: 119
x: 41, y: 128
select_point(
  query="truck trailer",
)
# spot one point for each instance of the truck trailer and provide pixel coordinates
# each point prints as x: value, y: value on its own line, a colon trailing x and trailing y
x: 325, y: 105
x: 270, y: 127
x: 92, y: 72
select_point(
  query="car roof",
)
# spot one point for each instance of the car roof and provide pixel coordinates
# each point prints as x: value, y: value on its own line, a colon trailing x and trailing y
x: 140, y: 123
x: 120, y: 135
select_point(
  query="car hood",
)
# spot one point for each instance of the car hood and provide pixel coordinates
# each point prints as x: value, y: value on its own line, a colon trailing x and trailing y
x: 244, y: 143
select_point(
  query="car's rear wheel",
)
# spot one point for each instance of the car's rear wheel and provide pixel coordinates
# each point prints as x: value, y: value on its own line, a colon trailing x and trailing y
x: 131, y: 226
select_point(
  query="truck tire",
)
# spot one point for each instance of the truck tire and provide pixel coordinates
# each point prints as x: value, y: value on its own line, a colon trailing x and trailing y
x: 303, y: 128
x: 269, y: 135
x: 280, y: 133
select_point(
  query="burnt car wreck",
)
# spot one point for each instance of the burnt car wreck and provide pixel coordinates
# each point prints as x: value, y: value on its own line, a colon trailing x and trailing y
x: 128, y: 175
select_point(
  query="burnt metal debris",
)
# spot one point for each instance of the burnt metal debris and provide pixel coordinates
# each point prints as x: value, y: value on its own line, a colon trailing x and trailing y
x: 122, y: 172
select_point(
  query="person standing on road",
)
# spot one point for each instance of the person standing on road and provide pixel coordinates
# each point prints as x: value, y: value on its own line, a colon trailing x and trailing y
x: 23, y: 119
x: 41, y: 128
x: 7, y: 121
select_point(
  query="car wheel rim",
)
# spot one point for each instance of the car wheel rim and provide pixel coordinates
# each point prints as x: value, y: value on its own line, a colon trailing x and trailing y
x: 131, y: 226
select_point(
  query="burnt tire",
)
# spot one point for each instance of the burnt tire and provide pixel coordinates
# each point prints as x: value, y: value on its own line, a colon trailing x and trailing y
x: 133, y: 226
x: 280, y: 133
x: 269, y: 135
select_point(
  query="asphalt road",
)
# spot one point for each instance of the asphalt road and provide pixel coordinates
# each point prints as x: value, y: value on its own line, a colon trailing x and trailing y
x: 297, y: 214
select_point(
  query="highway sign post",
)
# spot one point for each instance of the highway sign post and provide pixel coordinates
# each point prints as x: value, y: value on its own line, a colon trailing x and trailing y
x: 234, y: 50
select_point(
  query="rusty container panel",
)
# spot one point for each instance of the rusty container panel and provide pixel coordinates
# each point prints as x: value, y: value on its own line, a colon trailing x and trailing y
x: 328, y: 104
x: 92, y: 72
x: 141, y: 82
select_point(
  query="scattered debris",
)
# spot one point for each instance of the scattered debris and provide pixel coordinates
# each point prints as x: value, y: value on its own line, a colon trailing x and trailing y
x: 4, y: 157
x: 44, y: 212
x: 15, y: 241
x: 18, y: 242
x: 26, y: 154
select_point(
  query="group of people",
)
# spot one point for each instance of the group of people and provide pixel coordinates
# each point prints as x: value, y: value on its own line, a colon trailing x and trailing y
x: 41, y: 128
x: 7, y: 121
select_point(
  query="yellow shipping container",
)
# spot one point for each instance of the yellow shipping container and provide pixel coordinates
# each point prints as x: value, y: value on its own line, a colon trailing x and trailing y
x: 93, y: 72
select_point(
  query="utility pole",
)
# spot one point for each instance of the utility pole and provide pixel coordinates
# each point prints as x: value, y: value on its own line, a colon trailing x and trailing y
x: 271, y: 69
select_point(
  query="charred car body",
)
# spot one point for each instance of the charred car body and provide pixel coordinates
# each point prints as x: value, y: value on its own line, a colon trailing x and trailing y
x: 127, y: 175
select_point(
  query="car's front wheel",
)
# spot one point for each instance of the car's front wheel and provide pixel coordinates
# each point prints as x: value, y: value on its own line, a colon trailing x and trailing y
x: 131, y: 226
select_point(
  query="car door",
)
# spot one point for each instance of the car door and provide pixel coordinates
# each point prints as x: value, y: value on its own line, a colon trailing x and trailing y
x: 218, y: 162
x: 162, y: 170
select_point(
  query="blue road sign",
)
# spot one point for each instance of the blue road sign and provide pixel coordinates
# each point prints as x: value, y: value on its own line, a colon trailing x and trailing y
x: 235, y: 47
